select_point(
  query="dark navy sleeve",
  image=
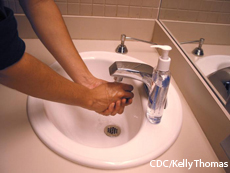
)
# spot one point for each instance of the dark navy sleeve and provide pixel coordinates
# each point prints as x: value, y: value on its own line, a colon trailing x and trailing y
x: 12, y: 47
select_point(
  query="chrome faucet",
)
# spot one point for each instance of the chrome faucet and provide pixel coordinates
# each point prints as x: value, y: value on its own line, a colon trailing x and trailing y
x: 121, y: 48
x: 198, y: 50
x: 133, y: 70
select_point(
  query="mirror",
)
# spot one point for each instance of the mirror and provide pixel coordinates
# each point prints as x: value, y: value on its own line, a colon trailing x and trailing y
x: 201, y: 28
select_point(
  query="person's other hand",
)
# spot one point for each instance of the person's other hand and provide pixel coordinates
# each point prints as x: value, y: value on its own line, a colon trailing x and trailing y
x: 115, y: 107
x: 111, y: 98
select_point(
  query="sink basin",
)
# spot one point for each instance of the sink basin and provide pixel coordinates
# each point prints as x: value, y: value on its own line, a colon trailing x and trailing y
x: 215, y: 69
x: 213, y: 63
x: 83, y: 136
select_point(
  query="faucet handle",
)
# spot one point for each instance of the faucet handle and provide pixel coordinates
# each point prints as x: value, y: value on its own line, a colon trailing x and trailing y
x: 201, y: 41
x: 121, y: 48
x: 123, y: 37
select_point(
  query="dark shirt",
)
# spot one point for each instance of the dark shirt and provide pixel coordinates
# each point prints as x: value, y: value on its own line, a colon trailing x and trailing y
x: 12, y: 47
x: 2, y: 11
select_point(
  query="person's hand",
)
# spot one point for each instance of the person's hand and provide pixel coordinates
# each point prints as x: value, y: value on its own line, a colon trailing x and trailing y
x: 115, y: 107
x: 111, y: 98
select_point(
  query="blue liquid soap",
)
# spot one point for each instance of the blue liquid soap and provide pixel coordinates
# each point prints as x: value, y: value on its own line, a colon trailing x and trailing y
x: 158, y: 96
x: 161, y: 80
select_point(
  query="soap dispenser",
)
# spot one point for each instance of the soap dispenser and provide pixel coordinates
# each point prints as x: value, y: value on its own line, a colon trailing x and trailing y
x: 161, y: 79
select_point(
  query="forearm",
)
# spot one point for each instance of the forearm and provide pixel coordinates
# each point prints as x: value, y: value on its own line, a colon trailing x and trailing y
x: 48, y: 24
x: 34, y: 78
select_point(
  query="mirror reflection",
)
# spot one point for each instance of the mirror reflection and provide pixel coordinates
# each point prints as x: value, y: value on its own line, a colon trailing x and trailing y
x: 202, y: 30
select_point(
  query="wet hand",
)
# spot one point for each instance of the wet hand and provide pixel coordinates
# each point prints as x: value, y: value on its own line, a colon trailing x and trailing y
x: 111, y: 98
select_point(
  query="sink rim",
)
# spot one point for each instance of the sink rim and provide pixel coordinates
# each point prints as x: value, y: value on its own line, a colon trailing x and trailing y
x: 101, y: 157
x: 210, y: 64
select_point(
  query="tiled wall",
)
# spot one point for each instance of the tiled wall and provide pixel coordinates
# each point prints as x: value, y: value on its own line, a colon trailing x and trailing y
x: 205, y: 11
x: 108, y: 8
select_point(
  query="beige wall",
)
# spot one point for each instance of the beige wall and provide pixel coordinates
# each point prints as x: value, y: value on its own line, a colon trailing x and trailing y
x: 208, y: 11
x: 109, y: 8
x: 216, y: 34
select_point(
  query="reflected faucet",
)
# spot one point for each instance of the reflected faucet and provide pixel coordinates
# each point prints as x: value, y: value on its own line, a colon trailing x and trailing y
x: 121, y: 48
x: 197, y: 51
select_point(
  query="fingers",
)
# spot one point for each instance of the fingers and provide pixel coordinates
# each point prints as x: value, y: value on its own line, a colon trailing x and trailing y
x: 127, y: 87
x: 118, y: 108
x: 129, y: 102
x: 128, y: 95
x: 116, y: 97
x: 114, y: 109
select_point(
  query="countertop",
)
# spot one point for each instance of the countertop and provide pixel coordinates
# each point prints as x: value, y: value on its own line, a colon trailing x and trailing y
x: 23, y: 152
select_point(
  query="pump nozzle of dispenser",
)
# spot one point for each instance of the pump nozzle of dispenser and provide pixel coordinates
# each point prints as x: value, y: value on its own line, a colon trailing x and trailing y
x: 164, y: 60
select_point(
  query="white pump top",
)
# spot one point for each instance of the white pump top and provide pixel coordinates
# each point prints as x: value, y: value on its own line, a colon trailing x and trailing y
x: 164, y: 59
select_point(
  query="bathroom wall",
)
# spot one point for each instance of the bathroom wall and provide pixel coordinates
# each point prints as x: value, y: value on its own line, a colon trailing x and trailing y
x: 208, y: 11
x: 147, y: 9
x: 215, y: 34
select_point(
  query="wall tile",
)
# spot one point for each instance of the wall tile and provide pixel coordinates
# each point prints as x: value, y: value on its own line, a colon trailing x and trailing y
x: 224, y: 18
x: 62, y: 7
x: 173, y: 4
x: 73, y: 8
x: 216, y: 6
x: 110, y: 10
x: 162, y: 13
x: 211, y: 11
x: 225, y: 7
x: 112, y: 2
x: 146, y: 12
x: 171, y: 14
x: 212, y: 18
x: 202, y: 16
x: 98, y: 10
x: 147, y: 3
x: 192, y: 16
x: 122, y: 11
x: 164, y: 4
x: 156, y: 3
x: 194, y: 4
x: 60, y: 0
x: 184, y: 4
x: 86, y: 9
x: 134, y: 12
x: 123, y: 2
x: 86, y: 1
x: 98, y: 1
x: 206, y: 5
x: 155, y: 13
x: 191, y: 10
x: 73, y: 1
x: 135, y: 2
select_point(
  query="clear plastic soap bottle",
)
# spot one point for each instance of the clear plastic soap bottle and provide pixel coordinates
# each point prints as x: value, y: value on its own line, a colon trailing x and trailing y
x: 161, y: 80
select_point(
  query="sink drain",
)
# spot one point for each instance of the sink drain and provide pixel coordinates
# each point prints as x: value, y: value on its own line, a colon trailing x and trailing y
x: 112, y: 130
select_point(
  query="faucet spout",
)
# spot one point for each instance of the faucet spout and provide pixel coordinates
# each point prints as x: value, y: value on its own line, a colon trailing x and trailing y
x: 133, y: 70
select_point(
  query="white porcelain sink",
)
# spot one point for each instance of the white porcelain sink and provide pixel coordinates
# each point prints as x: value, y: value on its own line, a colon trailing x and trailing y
x: 210, y: 64
x: 78, y: 134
